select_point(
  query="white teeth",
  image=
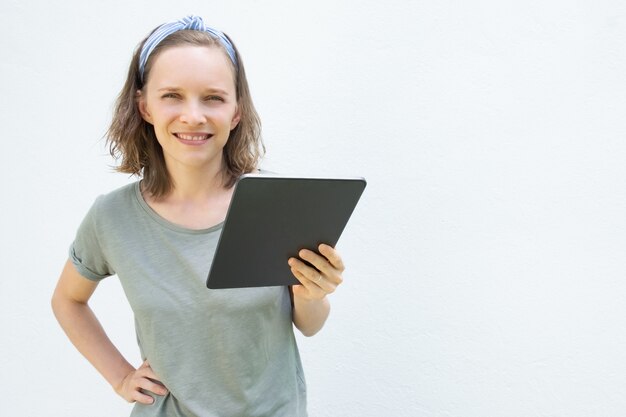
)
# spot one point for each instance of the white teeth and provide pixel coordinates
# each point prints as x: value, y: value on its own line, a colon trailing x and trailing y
x: 192, y: 137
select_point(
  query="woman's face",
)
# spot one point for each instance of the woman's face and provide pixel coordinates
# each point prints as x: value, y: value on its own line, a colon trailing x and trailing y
x: 190, y: 99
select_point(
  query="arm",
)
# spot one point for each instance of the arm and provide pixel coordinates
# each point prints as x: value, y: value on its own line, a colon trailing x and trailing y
x: 310, y: 302
x: 69, y: 304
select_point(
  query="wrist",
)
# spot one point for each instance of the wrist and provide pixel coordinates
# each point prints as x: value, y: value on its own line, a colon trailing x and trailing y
x: 117, y: 380
x: 304, y: 298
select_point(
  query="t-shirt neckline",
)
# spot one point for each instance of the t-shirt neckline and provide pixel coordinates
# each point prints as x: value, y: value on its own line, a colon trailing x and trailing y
x: 166, y: 223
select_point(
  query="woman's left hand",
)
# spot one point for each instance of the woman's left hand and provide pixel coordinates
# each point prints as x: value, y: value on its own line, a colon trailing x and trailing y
x: 321, y: 279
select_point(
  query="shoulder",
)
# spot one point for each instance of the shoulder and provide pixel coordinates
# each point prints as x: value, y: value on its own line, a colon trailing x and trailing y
x: 120, y: 196
x: 115, y: 203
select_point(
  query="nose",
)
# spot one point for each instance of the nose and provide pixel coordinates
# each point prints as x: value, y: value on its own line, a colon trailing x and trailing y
x: 192, y: 114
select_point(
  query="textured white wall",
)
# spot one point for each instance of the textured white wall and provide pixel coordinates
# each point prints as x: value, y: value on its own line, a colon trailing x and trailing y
x: 486, y: 259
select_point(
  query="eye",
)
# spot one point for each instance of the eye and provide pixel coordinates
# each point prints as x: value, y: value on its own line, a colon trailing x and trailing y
x: 170, y: 95
x: 214, y: 98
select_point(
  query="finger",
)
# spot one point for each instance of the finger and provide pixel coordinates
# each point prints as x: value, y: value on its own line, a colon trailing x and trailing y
x: 318, y: 261
x: 147, y: 372
x: 152, y: 386
x: 142, y: 398
x: 332, y: 255
x: 322, y: 264
x: 307, y: 272
x: 155, y: 385
x: 306, y: 282
x: 314, y: 281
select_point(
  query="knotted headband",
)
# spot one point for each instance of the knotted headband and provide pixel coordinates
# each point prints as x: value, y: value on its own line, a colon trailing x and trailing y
x: 190, y: 22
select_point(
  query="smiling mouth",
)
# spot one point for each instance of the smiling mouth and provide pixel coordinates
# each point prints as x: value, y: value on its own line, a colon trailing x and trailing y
x: 193, y: 136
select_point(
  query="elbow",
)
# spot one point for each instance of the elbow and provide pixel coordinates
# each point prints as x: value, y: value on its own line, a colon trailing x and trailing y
x: 55, y: 303
x: 59, y: 304
x: 309, y: 332
x: 310, y: 329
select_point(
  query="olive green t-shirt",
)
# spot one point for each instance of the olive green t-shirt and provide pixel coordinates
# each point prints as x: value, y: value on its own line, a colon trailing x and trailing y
x: 220, y: 353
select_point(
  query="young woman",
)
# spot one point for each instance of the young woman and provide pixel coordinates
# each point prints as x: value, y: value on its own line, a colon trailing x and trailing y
x: 185, y: 124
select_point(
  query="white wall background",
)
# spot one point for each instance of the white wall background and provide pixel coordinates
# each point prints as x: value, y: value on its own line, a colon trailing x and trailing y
x: 486, y: 259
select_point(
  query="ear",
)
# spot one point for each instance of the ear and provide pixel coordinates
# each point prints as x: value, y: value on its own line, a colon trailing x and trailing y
x: 236, y: 118
x: 143, y: 109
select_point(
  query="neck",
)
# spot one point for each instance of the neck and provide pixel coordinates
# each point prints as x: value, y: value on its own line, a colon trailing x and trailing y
x: 198, y: 200
x: 196, y: 184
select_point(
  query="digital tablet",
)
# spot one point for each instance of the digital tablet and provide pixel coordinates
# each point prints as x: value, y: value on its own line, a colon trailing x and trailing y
x: 270, y: 218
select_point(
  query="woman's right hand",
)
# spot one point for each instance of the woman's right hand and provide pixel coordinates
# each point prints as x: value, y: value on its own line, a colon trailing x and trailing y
x: 142, y: 378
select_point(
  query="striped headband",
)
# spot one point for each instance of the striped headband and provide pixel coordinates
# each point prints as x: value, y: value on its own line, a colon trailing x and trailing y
x: 190, y: 22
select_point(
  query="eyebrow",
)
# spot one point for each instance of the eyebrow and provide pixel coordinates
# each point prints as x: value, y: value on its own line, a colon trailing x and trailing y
x: 211, y: 90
